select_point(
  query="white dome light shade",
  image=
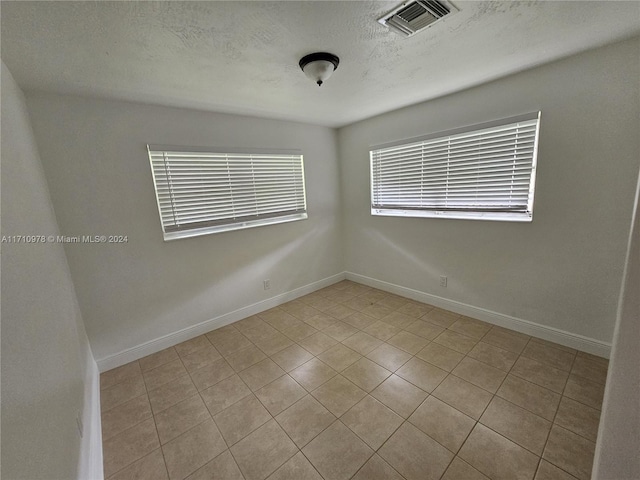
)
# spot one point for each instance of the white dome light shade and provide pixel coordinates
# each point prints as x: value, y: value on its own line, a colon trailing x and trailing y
x: 319, y: 66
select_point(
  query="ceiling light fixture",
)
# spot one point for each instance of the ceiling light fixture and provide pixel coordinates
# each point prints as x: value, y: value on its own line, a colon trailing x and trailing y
x: 319, y: 66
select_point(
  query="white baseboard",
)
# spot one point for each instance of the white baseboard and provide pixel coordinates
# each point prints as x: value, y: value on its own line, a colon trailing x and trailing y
x: 166, y: 341
x: 579, y: 342
x: 90, y: 465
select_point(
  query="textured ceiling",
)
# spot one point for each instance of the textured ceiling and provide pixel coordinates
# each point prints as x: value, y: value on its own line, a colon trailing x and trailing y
x: 242, y: 57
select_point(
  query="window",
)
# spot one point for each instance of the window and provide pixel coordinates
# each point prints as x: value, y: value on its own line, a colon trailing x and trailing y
x: 201, y: 192
x: 483, y: 172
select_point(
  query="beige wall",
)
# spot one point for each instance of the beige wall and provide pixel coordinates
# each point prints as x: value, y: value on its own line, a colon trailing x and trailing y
x: 564, y: 269
x: 94, y: 156
x: 618, y: 444
x: 48, y: 372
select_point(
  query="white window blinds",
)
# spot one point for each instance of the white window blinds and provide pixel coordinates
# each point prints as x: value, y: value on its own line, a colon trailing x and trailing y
x: 486, y: 172
x: 206, y: 192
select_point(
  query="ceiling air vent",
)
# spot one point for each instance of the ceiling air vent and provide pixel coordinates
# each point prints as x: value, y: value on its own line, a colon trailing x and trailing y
x: 411, y: 17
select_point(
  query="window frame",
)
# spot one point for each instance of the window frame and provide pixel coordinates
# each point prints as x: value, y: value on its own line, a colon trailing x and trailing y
x: 177, y: 231
x: 470, y: 212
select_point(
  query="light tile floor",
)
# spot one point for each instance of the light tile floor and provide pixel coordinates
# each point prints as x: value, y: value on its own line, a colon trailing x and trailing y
x: 352, y: 382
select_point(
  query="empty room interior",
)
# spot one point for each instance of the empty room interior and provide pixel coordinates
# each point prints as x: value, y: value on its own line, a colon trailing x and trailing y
x: 335, y: 240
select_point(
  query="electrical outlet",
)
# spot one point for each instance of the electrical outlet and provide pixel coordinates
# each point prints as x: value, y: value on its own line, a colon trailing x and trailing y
x: 267, y: 284
x: 443, y: 281
x: 79, y: 424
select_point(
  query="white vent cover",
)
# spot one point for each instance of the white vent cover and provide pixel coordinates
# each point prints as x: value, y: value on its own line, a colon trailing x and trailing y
x: 413, y: 16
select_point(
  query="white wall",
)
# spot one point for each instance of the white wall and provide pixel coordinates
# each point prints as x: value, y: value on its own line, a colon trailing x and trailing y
x: 48, y: 371
x: 618, y: 444
x: 94, y: 156
x: 564, y: 269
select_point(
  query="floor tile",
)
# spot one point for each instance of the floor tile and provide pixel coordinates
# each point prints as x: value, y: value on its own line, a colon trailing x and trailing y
x: 398, y: 320
x: 377, y: 311
x: 260, y: 374
x: 296, y: 468
x: 163, y: 374
x: 274, y: 343
x: 381, y: 330
x: 399, y: 395
x: 200, y: 358
x: 497, y: 457
x: 557, y: 358
x: 191, y: 450
x: 249, y: 323
x: 547, y: 471
x: 584, y: 391
x: 362, y: 342
x: 443, y: 423
x: 517, y: 424
x: 149, y: 467
x: 122, y: 392
x: 372, y: 421
x: 241, y: 418
x: 245, y: 358
x: 594, y: 371
x: 299, y: 332
x: 260, y: 331
x: 470, y: 327
x: 280, y: 394
x: 211, y: 374
x: 340, y: 331
x: 441, y: 317
x: 389, y: 357
x: 480, y: 374
x: 171, y: 393
x: 180, y: 417
x: 505, y: 340
x: 338, y: 395
x: 456, y: 341
x: 193, y: 345
x: 463, y: 396
x: 377, y: 469
x: 422, y: 374
x: 392, y: 301
x: 320, y: 321
x: 279, y: 319
x: 594, y: 358
x: 312, y: 374
x: 339, y: 357
x: 408, y: 342
x: 117, y: 375
x: 440, y: 356
x: 425, y: 329
x: 529, y: 396
x: 157, y: 359
x: 461, y: 470
x: 570, y: 452
x: 317, y: 343
x: 128, y: 446
x: 494, y: 356
x: 230, y: 343
x: 304, y: 420
x: 340, y: 311
x: 540, y: 374
x: 124, y: 416
x: 224, y: 394
x: 223, y: 467
x: 337, y: 453
x: 291, y: 357
x: 264, y: 451
x: 366, y: 374
x: 415, y: 309
x: 578, y: 418
x: 415, y: 455
x: 359, y: 320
